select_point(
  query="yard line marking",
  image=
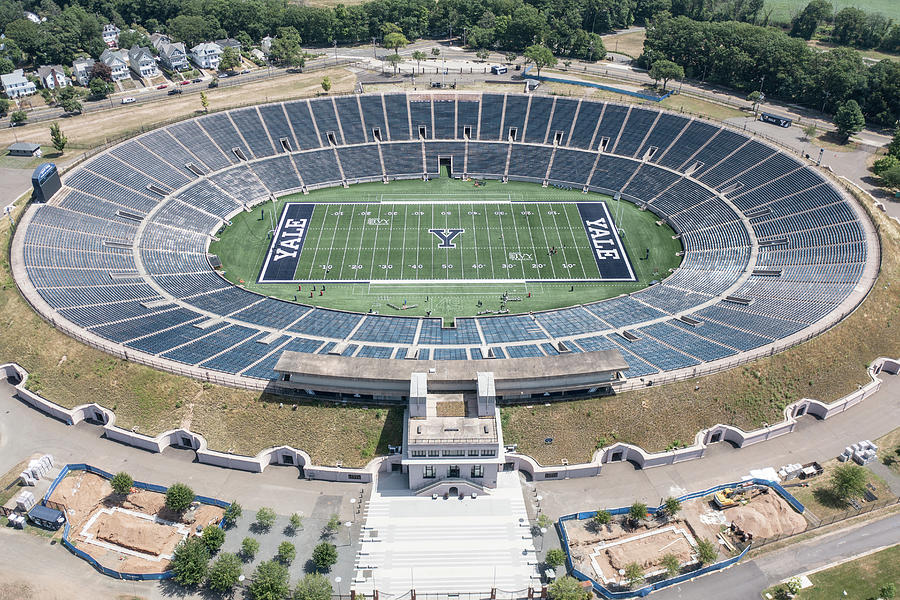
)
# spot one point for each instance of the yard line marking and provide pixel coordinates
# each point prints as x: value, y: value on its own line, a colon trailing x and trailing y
x: 331, y: 248
x: 418, y: 235
x: 581, y: 259
x: 318, y: 240
x: 374, y: 246
x: 432, y: 247
x: 490, y: 245
x: 346, y: 245
x: 474, y: 238
x: 559, y: 235
x: 518, y: 243
x: 356, y: 272
x: 549, y: 258
x: 403, y: 241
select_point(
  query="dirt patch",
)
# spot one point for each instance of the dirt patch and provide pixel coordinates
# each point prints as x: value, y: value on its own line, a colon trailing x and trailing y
x: 136, y: 534
x: 767, y: 515
x: 648, y: 551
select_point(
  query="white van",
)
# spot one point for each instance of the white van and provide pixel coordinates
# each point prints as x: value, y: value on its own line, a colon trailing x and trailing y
x: 127, y: 100
x: 498, y: 69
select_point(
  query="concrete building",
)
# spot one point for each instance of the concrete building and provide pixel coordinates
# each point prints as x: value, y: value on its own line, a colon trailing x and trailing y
x: 82, y: 68
x: 53, y: 77
x: 29, y: 149
x: 16, y: 85
x: 452, y: 443
x: 206, y: 55
x: 117, y: 61
x: 142, y: 62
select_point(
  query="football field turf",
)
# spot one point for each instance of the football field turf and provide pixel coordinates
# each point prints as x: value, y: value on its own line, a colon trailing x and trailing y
x: 445, y: 247
x: 434, y: 239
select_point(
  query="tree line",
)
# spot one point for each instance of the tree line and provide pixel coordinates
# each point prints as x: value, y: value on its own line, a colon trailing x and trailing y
x: 753, y: 58
x: 850, y: 26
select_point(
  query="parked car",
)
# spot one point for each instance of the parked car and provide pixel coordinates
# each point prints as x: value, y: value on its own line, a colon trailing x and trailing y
x: 162, y: 87
x: 185, y: 82
x: 127, y: 100
x: 223, y: 75
x: 245, y: 71
x: 174, y: 91
x: 214, y: 83
x: 197, y: 80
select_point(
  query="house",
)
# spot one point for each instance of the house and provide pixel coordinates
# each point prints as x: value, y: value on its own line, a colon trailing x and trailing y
x: 266, y: 44
x: 117, y: 61
x: 257, y: 54
x: 33, y: 17
x: 16, y: 85
x: 172, y: 56
x: 83, y: 68
x: 29, y: 149
x: 53, y: 77
x: 142, y: 62
x: 229, y: 43
x: 206, y: 55
x: 111, y: 35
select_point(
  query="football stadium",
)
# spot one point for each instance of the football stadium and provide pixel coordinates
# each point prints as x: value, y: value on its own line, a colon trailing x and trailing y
x: 480, y: 227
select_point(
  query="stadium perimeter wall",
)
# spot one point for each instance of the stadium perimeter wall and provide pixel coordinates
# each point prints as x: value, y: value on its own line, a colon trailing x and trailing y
x: 286, y: 455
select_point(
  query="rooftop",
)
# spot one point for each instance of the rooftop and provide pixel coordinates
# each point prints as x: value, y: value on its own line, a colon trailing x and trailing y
x: 452, y: 419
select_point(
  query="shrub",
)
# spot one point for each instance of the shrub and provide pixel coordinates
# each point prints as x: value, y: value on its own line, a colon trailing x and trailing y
x: 544, y: 521
x: 179, y: 497
x: 638, y: 511
x: 286, y: 553
x: 601, y: 517
x: 270, y: 582
x: 190, y: 561
x: 706, y: 552
x: 848, y: 481
x: 334, y: 523
x: 296, y: 522
x: 213, y: 536
x: 324, y: 556
x: 265, y: 518
x: 232, y: 514
x: 672, y: 506
x: 224, y: 573
x: 313, y: 586
x: 567, y: 588
x: 634, y: 574
x: 555, y: 558
x: 888, y: 591
x: 672, y: 565
x: 249, y: 548
x: 121, y: 483
x: 885, y: 163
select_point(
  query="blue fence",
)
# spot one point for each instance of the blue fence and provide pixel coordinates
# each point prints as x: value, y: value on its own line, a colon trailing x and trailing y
x: 138, y: 484
x: 606, y: 593
x: 599, y: 86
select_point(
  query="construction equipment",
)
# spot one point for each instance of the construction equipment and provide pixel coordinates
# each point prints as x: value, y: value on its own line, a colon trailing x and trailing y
x: 734, y: 496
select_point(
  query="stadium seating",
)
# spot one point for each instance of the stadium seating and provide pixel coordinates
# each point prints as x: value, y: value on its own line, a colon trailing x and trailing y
x: 159, y: 197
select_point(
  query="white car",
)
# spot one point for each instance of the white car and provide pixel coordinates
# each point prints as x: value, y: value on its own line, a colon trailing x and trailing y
x: 127, y: 100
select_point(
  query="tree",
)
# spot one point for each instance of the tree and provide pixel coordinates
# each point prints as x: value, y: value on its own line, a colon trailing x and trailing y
x: 394, y: 41
x: 567, y: 588
x: 213, y: 536
x: 122, y: 482
x: 18, y: 117
x: 224, y: 573
x: 805, y: 24
x: 393, y: 60
x: 286, y: 553
x: 601, y: 518
x: 59, y: 142
x: 888, y: 591
x: 885, y: 163
x: 234, y: 510
x: 249, y: 548
x: 435, y: 52
x: 419, y: 56
x: 510, y: 57
x: 269, y: 582
x: 67, y: 98
x: 541, y: 56
x: 849, y: 23
x: 810, y: 130
x: 4, y: 106
x: 265, y: 518
x: 891, y: 177
x: 332, y: 526
x: 849, y: 120
x: 634, y: 574
x: 313, y: 586
x: 285, y: 49
x: 101, y: 71
x: 99, y: 88
x: 190, y: 561
x: 326, y: 83
x: 665, y: 70
x: 637, y: 512
x: 706, y: 551
x: 204, y: 101
x: 543, y: 521
x: 672, y: 506
x: 296, y: 522
x: 672, y: 565
x: 324, y: 556
x: 848, y: 481
x: 555, y: 558
x: 229, y: 59
x: 483, y: 54
x: 179, y: 497
x: 893, y: 148
x: 756, y: 97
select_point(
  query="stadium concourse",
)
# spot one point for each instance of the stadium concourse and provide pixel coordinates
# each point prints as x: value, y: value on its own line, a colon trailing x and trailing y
x: 773, y: 251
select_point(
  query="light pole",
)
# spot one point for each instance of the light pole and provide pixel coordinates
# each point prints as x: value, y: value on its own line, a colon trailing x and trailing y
x: 335, y: 51
x: 543, y: 531
x: 374, y: 54
x: 353, y: 508
x: 337, y: 580
x: 348, y: 524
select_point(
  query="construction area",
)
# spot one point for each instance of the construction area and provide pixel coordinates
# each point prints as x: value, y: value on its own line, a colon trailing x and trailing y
x: 729, y: 519
x: 129, y: 534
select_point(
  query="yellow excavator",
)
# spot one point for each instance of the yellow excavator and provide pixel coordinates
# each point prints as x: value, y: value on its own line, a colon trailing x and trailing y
x: 733, y: 496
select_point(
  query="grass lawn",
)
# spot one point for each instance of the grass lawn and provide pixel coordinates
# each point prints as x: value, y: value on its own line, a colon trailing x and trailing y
x: 889, y: 450
x: 784, y: 10
x: 822, y: 503
x: 630, y: 44
x: 860, y: 578
x: 403, y: 250
x: 26, y: 162
x: 869, y: 53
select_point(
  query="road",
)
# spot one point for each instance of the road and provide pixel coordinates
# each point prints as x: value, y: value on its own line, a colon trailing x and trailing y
x: 746, y: 580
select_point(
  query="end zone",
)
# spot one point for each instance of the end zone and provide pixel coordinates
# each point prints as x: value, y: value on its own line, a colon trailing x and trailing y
x: 287, y: 242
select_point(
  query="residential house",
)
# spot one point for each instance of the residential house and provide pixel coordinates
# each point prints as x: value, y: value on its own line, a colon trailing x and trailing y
x: 257, y: 54
x: 266, y: 44
x: 142, y: 62
x: 16, y: 85
x: 117, y: 61
x: 82, y: 68
x: 206, y: 55
x: 229, y: 43
x: 53, y: 77
x: 172, y: 56
x: 111, y: 35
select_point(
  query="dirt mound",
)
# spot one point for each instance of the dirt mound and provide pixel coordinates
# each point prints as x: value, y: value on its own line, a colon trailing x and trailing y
x: 767, y: 515
x: 137, y: 534
x: 648, y: 551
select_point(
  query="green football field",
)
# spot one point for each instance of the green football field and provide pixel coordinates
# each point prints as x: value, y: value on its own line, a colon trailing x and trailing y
x: 445, y: 247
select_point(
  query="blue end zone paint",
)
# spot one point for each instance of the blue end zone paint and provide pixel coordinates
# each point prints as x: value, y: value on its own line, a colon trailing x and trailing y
x: 284, y: 254
x: 603, y: 236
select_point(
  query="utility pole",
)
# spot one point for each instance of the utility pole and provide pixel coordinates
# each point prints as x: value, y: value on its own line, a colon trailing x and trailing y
x: 374, y: 54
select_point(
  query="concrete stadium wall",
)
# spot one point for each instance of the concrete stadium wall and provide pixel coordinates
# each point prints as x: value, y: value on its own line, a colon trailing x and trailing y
x: 288, y: 456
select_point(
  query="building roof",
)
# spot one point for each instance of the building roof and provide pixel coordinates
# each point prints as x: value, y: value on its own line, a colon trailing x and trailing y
x: 46, y: 70
x: 45, y: 513
x: 17, y: 76
x: 229, y: 42
x: 206, y: 46
x: 24, y: 146
x: 111, y: 57
x: 86, y: 61
x: 138, y: 53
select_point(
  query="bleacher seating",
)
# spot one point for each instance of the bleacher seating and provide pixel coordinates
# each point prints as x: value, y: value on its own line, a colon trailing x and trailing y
x: 80, y: 255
